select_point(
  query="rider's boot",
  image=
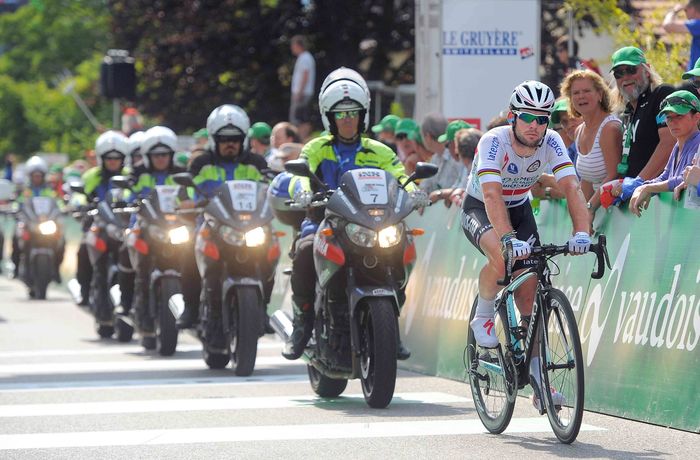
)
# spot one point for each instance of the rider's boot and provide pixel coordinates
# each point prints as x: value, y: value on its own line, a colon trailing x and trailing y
x: 303, y: 324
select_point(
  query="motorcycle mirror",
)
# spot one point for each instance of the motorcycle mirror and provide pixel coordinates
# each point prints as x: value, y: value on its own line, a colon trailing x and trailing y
x: 184, y: 179
x: 120, y: 182
x: 7, y: 190
x: 301, y: 168
x: 77, y: 187
x: 423, y: 171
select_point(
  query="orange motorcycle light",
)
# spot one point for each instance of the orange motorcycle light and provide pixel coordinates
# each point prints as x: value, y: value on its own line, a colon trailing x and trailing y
x: 273, y: 253
x: 141, y: 246
x: 26, y: 235
x: 210, y: 250
x: 100, y: 244
x: 409, y: 254
x: 330, y: 251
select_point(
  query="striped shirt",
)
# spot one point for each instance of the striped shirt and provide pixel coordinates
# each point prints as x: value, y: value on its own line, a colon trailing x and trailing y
x: 496, y: 161
x: 591, y: 165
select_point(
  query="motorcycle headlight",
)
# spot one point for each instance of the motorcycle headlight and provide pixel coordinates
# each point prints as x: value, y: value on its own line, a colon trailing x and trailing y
x: 361, y: 236
x: 231, y: 236
x: 158, y: 233
x: 390, y: 236
x: 179, y: 235
x: 255, y: 237
x: 48, y: 227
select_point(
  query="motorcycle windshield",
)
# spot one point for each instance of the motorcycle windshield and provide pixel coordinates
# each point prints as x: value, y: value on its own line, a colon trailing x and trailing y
x: 370, y: 197
x: 41, y: 208
x: 241, y: 204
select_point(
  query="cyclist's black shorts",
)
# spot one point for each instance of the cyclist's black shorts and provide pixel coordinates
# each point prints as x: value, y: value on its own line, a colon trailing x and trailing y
x: 475, y: 223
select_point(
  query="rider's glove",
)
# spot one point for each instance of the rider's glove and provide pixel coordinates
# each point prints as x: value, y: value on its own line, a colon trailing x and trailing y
x: 580, y: 243
x: 303, y: 198
x: 420, y: 198
x: 521, y: 249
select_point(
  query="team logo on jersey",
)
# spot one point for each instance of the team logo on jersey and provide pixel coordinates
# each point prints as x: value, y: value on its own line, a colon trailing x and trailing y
x: 534, y: 166
x: 512, y: 168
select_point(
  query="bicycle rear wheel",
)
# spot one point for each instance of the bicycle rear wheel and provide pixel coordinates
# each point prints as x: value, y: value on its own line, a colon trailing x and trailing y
x: 562, y: 369
x: 492, y: 378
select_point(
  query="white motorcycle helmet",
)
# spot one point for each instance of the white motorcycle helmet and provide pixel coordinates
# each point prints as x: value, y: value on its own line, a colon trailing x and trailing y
x: 227, y: 120
x: 158, y: 139
x: 135, y: 142
x: 111, y: 141
x: 36, y: 164
x: 340, y: 96
x: 532, y: 95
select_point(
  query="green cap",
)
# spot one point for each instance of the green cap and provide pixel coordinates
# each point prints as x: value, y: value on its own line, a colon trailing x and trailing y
x: 694, y: 72
x: 629, y: 55
x: 200, y: 133
x: 562, y: 105
x: 451, y: 130
x: 410, y: 128
x: 260, y: 130
x: 56, y: 168
x: 388, y: 123
x: 680, y: 102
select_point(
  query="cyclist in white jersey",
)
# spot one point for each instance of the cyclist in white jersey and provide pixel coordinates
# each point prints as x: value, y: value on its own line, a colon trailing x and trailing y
x: 509, y: 161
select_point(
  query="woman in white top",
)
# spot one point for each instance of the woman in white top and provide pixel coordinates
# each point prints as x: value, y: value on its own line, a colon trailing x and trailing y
x: 598, y: 138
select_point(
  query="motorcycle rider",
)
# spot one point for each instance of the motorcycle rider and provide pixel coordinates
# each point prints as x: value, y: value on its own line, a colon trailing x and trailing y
x: 225, y: 159
x: 136, y: 162
x: 36, y: 170
x: 157, y: 145
x: 111, y: 150
x: 344, y: 105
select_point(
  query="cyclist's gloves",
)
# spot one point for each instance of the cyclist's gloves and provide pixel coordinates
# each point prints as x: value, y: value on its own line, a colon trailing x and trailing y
x: 521, y: 249
x: 420, y: 199
x: 303, y: 198
x: 580, y: 243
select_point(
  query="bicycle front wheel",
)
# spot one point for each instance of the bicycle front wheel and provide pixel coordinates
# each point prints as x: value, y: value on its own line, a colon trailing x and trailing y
x: 562, y: 368
x: 492, y: 377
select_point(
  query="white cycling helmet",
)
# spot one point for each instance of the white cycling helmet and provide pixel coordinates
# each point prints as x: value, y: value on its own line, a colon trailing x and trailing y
x: 135, y: 142
x: 158, y: 139
x: 343, y: 95
x: 532, y: 95
x: 111, y: 141
x: 36, y: 164
x: 227, y: 120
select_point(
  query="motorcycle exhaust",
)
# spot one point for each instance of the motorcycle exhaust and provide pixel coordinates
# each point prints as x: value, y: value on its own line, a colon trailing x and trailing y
x: 74, y: 290
x: 282, y: 324
x: 176, y: 304
x: 116, y: 295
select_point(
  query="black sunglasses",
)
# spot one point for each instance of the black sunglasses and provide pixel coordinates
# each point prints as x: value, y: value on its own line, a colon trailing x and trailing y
x: 221, y: 139
x: 621, y: 71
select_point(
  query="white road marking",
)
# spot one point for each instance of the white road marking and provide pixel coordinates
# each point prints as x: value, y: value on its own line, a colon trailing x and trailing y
x: 210, y: 404
x: 221, y: 379
x: 14, y: 370
x: 115, y: 350
x: 268, y: 433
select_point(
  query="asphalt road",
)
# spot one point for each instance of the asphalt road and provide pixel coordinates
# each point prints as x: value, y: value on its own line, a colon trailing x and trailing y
x: 66, y: 394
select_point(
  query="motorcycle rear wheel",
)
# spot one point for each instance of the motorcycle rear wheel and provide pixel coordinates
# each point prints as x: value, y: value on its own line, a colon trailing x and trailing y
x: 378, y: 360
x: 323, y: 386
x: 246, y: 310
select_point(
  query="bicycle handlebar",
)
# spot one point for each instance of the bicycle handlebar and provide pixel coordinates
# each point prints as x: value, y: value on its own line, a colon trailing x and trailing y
x: 551, y: 250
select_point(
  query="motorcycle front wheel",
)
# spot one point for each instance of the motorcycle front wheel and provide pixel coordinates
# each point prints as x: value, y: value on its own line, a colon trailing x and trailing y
x: 166, y: 329
x: 378, y: 359
x: 42, y: 268
x: 246, y: 310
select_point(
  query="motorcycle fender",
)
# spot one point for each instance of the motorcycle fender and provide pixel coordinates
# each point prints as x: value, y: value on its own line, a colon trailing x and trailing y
x: 358, y: 293
x: 36, y: 251
x: 227, y: 291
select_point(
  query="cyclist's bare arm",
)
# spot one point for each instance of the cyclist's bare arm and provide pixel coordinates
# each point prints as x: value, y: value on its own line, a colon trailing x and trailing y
x: 496, y: 208
x: 576, y: 203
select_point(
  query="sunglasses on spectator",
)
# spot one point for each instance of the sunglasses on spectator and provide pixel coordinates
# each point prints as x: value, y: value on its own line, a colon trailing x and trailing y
x: 621, y: 71
x: 529, y: 118
x: 225, y: 139
x: 346, y: 114
x: 401, y: 136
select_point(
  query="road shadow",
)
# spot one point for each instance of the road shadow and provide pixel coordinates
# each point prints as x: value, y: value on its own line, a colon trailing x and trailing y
x: 578, y: 449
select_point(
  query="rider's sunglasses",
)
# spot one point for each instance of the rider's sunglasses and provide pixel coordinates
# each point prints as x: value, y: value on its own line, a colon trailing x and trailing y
x: 529, y: 118
x: 225, y: 139
x: 159, y: 154
x: 346, y: 114
x: 113, y: 156
x: 621, y: 71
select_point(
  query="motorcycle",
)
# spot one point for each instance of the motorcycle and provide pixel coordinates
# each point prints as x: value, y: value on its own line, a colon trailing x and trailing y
x: 40, y: 235
x: 363, y: 254
x: 157, y: 240
x: 109, y: 220
x: 237, y: 240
